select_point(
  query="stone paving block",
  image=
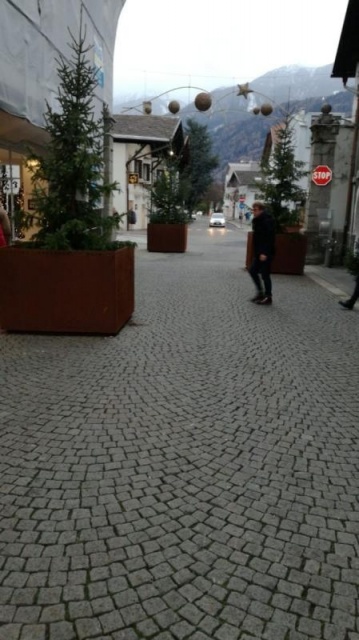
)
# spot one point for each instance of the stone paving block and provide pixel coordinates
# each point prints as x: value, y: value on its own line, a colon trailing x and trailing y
x: 33, y: 632
x: 227, y: 632
x: 87, y: 627
x: 10, y: 632
x: 111, y: 621
x: 147, y: 628
x: 166, y: 618
x: 61, y: 630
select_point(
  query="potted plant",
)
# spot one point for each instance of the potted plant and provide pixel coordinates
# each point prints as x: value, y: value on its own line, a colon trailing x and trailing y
x: 168, y: 220
x: 70, y: 277
x: 280, y: 174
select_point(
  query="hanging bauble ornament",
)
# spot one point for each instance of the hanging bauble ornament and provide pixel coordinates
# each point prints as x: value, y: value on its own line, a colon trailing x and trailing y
x: 174, y: 106
x: 266, y: 109
x: 256, y: 110
x: 147, y: 107
x: 203, y: 101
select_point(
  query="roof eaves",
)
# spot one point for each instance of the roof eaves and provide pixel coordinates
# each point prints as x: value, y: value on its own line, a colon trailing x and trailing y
x: 128, y: 137
x: 347, y: 56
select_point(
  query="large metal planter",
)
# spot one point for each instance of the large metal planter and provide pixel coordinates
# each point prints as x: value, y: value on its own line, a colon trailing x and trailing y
x: 66, y: 291
x: 167, y: 238
x: 291, y: 249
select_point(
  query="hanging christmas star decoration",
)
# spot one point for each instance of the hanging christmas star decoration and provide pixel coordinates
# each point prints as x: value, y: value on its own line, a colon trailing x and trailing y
x: 244, y: 90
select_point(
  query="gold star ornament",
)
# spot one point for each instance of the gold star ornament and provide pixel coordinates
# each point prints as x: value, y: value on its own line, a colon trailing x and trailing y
x: 244, y: 90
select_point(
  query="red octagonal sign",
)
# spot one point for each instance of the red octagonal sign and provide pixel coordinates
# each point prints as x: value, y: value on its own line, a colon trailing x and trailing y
x: 321, y: 175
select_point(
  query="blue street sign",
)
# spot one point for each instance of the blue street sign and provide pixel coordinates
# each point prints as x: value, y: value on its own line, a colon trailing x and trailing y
x: 241, y: 205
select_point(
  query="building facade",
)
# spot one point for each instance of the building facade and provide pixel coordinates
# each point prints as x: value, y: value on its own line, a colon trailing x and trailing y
x: 33, y: 34
x: 346, y: 66
x: 240, y: 188
x: 142, y: 146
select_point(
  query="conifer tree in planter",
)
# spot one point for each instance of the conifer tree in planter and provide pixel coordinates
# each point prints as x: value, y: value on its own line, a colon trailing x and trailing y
x: 70, y: 277
x: 168, y: 221
x: 280, y: 191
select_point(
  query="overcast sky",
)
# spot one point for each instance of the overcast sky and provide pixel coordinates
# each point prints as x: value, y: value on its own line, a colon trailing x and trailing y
x: 163, y: 44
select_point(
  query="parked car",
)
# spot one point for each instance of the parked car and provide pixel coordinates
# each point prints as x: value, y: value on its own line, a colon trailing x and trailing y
x: 217, y: 220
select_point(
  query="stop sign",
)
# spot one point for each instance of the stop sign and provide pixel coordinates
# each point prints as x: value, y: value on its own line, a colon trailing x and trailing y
x: 321, y: 175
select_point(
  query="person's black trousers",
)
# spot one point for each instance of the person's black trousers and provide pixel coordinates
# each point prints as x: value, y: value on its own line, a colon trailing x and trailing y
x: 355, y: 295
x: 260, y: 271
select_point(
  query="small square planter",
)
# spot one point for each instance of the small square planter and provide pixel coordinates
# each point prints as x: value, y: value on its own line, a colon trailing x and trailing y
x: 167, y: 238
x: 291, y: 250
x: 85, y: 292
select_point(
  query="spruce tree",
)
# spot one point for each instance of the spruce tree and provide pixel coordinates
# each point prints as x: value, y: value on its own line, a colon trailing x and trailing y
x: 68, y: 178
x: 280, y: 175
x: 167, y: 197
x: 197, y: 175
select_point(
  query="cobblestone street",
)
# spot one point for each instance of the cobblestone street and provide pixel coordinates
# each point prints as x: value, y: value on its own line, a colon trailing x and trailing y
x: 193, y: 478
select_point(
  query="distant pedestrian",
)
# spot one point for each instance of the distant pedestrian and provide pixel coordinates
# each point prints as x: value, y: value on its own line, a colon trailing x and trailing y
x: 349, y: 304
x: 131, y: 218
x: 263, y: 250
x: 240, y: 217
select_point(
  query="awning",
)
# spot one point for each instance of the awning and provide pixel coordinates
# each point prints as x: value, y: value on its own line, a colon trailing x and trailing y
x: 21, y: 135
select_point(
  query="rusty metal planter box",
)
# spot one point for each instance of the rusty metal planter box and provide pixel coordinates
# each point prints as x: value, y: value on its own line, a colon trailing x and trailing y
x: 291, y: 250
x: 66, y: 291
x: 167, y: 238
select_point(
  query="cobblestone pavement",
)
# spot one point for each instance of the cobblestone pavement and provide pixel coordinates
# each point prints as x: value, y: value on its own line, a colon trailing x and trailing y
x: 196, y: 476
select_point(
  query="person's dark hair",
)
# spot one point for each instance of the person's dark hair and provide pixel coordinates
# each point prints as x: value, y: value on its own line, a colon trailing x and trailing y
x: 258, y: 205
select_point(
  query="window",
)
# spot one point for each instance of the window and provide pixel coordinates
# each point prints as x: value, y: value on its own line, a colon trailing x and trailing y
x: 138, y: 168
x: 146, y: 172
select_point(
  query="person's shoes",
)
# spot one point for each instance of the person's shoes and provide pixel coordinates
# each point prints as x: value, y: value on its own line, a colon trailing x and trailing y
x: 257, y: 297
x: 265, y: 300
x: 346, y: 304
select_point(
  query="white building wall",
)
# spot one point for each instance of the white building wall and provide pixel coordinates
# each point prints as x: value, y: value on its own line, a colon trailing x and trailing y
x: 131, y: 196
x: 33, y: 33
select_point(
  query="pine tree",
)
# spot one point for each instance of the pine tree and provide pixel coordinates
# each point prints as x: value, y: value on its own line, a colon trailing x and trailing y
x: 68, y: 178
x: 280, y: 175
x: 167, y: 197
x: 198, y: 174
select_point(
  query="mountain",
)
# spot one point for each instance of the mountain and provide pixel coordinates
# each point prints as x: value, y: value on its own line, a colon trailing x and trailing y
x: 236, y: 133
x: 244, y: 138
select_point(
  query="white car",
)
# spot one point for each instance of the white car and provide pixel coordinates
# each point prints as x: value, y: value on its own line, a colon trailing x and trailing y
x: 217, y: 220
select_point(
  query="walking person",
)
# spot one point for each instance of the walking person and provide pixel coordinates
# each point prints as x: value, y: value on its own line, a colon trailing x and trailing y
x: 263, y: 248
x: 349, y: 304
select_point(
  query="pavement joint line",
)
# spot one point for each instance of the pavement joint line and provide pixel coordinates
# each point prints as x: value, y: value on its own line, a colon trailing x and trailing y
x: 326, y: 285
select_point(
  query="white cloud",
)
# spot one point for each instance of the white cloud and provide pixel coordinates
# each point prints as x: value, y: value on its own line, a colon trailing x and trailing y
x: 163, y: 44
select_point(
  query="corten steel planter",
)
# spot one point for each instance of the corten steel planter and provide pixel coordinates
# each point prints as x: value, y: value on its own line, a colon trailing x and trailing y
x: 291, y: 249
x: 167, y: 238
x: 66, y: 291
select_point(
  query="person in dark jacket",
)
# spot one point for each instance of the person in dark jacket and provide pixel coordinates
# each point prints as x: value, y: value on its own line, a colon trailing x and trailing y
x: 349, y: 304
x: 263, y: 248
